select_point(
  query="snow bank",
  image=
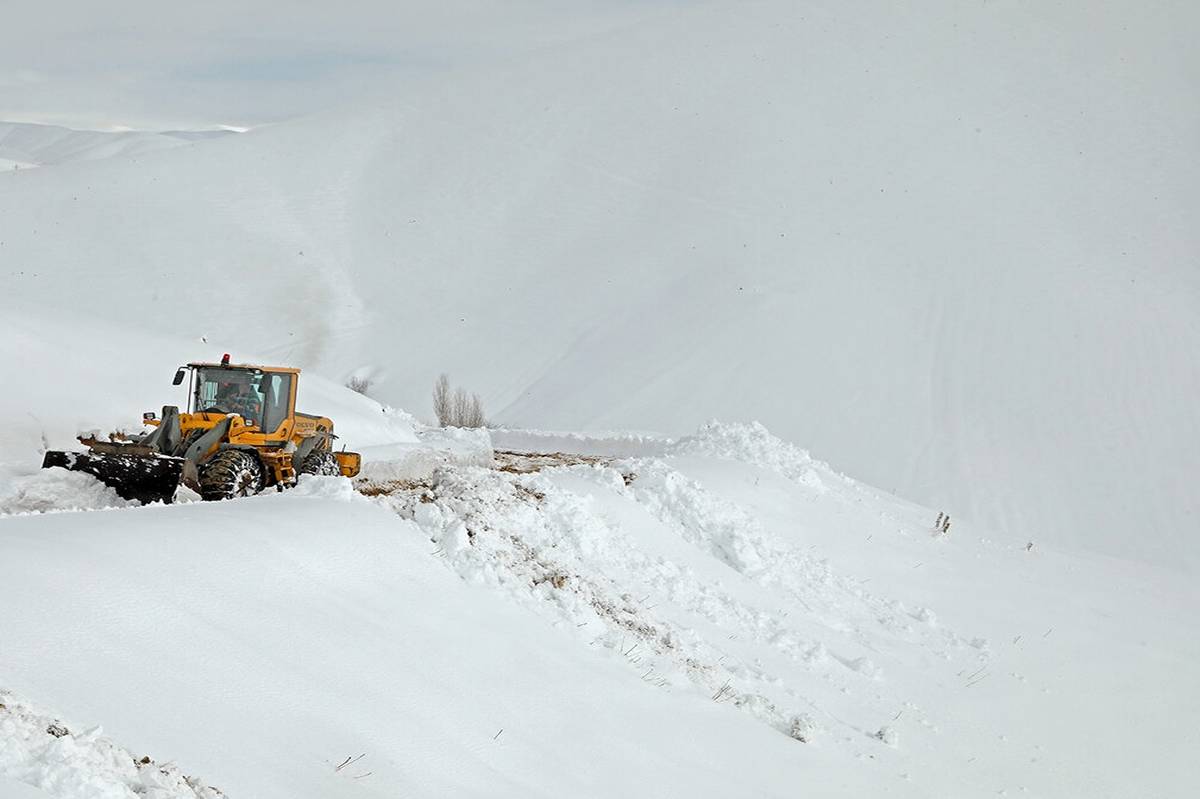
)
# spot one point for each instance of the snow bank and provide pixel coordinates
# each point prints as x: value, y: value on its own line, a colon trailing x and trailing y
x: 615, y: 444
x: 825, y: 611
x: 68, y: 762
x: 559, y: 554
x: 50, y: 490
x: 313, y: 486
x: 640, y: 560
x: 752, y: 443
x: 723, y: 529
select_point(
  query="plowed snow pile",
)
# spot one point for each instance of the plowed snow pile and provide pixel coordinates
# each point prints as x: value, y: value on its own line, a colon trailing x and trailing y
x: 939, y: 659
x: 40, y: 750
x: 56, y: 490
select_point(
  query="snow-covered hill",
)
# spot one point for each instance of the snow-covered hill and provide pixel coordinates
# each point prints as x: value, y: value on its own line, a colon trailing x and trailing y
x: 728, y: 618
x: 953, y: 252
x: 950, y: 249
x: 24, y: 144
x: 89, y: 375
x: 706, y: 616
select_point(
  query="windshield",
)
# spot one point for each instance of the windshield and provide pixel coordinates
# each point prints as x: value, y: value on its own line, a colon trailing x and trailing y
x: 226, y: 390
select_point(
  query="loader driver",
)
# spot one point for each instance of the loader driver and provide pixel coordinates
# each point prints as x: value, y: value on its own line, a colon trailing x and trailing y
x: 236, y: 396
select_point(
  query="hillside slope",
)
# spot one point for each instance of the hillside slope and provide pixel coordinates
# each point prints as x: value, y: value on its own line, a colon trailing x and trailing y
x: 728, y: 618
x: 952, y: 252
x: 282, y: 653
x: 27, y: 145
x: 94, y: 376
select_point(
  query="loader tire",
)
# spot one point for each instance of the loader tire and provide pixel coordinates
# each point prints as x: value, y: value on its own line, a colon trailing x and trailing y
x: 231, y: 473
x: 321, y: 462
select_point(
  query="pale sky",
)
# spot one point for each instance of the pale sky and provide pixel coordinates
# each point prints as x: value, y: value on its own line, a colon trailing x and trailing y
x: 157, y: 65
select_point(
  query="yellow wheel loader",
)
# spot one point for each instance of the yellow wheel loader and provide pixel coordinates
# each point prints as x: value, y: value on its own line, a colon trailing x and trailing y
x: 241, y: 434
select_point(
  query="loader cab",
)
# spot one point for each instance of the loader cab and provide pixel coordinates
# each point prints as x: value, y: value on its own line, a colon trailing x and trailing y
x: 264, y: 397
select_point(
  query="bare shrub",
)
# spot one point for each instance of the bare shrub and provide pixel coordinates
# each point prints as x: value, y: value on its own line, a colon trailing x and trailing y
x: 359, y: 384
x: 469, y: 410
x: 457, y: 408
x: 442, y: 404
x: 462, y: 405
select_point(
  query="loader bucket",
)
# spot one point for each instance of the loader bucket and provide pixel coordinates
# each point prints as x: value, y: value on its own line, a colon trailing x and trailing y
x: 349, y: 463
x: 141, y: 477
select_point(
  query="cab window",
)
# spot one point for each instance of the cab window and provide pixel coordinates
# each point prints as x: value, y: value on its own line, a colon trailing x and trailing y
x: 226, y: 390
x: 277, y: 390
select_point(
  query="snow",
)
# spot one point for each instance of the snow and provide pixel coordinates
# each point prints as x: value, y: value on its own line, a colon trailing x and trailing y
x: 41, y: 751
x: 105, y: 375
x: 305, y: 627
x: 592, y: 624
x: 947, y: 251
x: 11, y: 789
x: 47, y: 490
x: 723, y: 529
x: 752, y: 443
x: 595, y: 443
x: 950, y: 252
x: 433, y: 447
x: 825, y: 606
x: 27, y: 144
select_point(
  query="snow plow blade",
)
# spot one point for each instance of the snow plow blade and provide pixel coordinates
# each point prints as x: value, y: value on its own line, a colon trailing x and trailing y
x: 141, y: 476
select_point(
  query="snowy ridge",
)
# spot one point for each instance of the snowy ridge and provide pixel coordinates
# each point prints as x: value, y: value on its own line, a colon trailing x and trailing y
x: 25, y: 145
x: 43, y: 751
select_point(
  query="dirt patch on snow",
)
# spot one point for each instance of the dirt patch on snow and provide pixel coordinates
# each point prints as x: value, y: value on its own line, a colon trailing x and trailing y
x: 531, y: 462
